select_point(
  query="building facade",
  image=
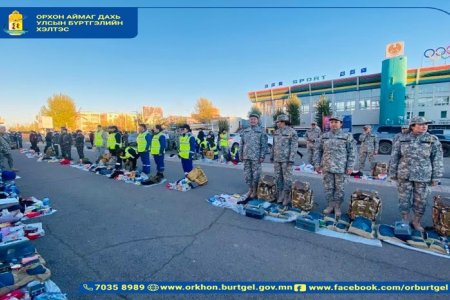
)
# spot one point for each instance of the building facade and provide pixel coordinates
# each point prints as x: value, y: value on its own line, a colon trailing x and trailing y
x: 88, y: 121
x: 152, y: 114
x: 389, y: 98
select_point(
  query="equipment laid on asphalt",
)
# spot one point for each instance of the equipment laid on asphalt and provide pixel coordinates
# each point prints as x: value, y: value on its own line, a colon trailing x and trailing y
x: 364, y: 203
x: 441, y: 215
x: 379, y: 168
x: 302, y: 195
x: 198, y: 176
x: 267, y: 188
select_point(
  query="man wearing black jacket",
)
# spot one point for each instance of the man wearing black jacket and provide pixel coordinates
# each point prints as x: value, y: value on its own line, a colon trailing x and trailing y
x: 48, y: 140
x: 65, y: 140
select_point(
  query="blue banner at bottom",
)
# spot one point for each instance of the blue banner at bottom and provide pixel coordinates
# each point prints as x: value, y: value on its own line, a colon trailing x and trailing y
x: 263, y: 287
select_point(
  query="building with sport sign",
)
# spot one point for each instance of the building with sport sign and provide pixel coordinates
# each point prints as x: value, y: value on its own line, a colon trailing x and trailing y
x: 391, y: 97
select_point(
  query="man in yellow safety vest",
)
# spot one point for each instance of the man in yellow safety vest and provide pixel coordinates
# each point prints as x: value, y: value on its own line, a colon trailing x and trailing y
x: 144, y: 140
x: 114, y: 144
x: 223, y: 143
x: 100, y: 138
x: 158, y: 147
x: 187, y: 148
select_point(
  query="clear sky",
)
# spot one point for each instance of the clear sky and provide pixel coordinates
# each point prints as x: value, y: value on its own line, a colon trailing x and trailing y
x: 180, y: 55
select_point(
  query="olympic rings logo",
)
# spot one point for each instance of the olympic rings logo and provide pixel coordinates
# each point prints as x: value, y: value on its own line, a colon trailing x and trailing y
x: 438, y: 53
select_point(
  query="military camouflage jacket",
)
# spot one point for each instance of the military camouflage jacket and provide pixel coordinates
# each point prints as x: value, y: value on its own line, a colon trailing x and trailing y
x: 312, y: 135
x: 397, y: 137
x: 369, y: 142
x: 335, y: 152
x: 5, y: 147
x: 285, y: 145
x: 253, y: 143
x: 417, y: 158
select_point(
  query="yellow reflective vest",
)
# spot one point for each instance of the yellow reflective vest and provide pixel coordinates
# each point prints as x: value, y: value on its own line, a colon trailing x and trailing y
x: 112, y: 141
x: 185, y: 146
x: 142, y: 141
x: 223, y: 139
x: 156, y: 146
x: 127, y: 154
x: 98, y: 138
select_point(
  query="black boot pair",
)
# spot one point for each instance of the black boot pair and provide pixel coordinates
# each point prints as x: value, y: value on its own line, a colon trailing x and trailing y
x: 246, y: 200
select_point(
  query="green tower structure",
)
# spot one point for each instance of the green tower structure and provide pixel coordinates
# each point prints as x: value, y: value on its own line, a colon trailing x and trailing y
x: 393, y: 91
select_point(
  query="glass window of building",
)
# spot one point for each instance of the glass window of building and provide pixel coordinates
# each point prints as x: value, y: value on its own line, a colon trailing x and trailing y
x: 376, y: 92
x: 340, y: 106
x: 409, y: 103
x: 364, y: 104
x: 422, y: 102
x: 443, y: 114
x: 375, y: 103
x: 304, y: 109
x: 442, y: 101
x: 350, y: 105
x: 421, y: 114
x: 408, y: 115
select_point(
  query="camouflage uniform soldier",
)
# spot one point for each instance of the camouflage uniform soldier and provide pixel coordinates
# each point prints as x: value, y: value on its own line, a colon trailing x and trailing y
x: 416, y: 163
x: 312, y: 135
x: 5, y: 150
x: 369, y: 146
x: 335, y: 156
x: 285, y: 145
x: 252, y: 152
x: 405, y: 130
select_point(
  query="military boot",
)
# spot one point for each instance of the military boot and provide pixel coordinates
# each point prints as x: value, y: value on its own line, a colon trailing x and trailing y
x: 337, y: 210
x: 329, y: 209
x: 405, y: 217
x: 247, y: 197
x: 255, y: 192
x: 416, y: 223
x: 280, y: 198
x: 287, y: 199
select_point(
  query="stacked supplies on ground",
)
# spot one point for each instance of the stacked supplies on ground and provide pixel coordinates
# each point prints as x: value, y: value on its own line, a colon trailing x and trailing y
x: 23, y: 271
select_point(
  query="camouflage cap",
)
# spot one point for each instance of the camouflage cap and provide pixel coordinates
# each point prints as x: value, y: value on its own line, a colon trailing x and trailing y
x: 282, y: 118
x: 253, y: 115
x: 419, y: 120
x: 337, y: 118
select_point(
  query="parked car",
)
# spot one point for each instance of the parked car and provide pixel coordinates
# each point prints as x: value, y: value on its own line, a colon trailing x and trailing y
x: 445, y: 141
x: 356, y: 137
x: 386, y: 134
x: 235, y: 138
x: 301, y: 137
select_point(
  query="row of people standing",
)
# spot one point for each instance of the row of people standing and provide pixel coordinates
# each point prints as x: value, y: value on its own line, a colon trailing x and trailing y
x: 416, y: 162
x: 61, y: 143
x: 146, y: 144
x: 16, y: 139
x: 367, y: 150
x: 253, y: 149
